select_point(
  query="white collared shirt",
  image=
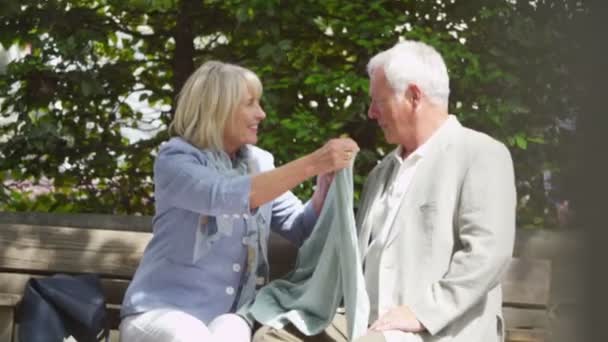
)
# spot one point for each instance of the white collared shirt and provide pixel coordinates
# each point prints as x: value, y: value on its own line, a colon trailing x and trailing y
x: 383, y: 213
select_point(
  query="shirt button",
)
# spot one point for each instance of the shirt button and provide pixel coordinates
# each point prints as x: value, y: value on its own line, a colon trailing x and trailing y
x: 236, y: 268
x: 230, y: 290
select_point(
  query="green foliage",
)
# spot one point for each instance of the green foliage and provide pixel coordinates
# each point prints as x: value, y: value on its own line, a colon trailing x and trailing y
x: 65, y: 107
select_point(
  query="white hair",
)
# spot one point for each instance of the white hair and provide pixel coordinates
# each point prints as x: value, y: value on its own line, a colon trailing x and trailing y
x: 411, y: 62
x: 209, y: 99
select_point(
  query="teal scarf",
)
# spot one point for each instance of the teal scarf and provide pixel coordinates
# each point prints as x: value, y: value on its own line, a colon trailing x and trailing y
x: 328, y: 269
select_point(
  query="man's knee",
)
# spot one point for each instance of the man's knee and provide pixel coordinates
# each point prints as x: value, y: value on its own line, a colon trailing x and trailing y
x: 372, y: 337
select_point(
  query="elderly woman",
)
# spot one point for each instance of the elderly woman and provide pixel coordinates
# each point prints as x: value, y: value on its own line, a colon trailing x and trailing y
x: 217, y: 197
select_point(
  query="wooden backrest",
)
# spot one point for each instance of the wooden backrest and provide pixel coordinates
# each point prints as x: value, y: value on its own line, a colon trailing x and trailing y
x: 107, y: 245
x: 36, y: 250
x: 49, y: 249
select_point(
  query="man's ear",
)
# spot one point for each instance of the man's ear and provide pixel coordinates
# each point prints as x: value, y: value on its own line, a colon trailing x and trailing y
x: 415, y: 95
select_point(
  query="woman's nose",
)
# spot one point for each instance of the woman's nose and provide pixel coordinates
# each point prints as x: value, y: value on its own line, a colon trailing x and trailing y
x: 261, y: 114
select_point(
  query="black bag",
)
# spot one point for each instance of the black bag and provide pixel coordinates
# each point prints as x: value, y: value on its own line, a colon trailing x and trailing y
x: 60, y: 306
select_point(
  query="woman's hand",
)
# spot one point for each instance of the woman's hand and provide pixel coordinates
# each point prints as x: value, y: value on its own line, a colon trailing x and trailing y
x: 335, y: 155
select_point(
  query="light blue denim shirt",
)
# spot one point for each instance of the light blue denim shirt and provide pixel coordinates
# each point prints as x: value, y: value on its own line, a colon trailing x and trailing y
x: 208, y: 247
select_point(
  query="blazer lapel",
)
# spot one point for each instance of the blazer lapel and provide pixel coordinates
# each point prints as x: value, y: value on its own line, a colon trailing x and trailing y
x: 424, y: 173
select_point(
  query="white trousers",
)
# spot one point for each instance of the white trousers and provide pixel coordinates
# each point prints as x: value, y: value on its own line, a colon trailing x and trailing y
x: 170, y: 325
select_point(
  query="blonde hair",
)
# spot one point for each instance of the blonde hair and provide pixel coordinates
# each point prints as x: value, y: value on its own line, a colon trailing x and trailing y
x: 209, y: 99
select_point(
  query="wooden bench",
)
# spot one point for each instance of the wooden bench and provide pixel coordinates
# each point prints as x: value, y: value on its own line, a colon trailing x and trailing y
x: 37, y: 245
x: 526, y: 290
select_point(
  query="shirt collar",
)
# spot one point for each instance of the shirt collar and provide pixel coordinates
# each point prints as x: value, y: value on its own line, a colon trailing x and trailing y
x: 422, y: 150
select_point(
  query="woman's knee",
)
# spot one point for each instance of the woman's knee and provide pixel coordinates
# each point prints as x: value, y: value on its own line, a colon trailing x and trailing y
x: 164, y: 325
x: 230, y: 327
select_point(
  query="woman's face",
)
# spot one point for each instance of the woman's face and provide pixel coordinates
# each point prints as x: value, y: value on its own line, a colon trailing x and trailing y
x: 243, y: 128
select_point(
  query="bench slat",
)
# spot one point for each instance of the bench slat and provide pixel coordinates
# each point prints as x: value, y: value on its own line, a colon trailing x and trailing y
x: 34, y: 249
x: 7, y: 314
x: 83, y: 221
x: 516, y: 318
x: 525, y: 335
x: 527, y: 283
x: 9, y: 299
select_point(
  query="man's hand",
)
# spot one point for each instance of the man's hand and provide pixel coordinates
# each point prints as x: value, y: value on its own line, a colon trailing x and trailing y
x: 399, y: 318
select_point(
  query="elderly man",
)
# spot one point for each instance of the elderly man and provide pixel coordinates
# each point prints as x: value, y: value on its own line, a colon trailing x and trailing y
x: 437, y: 215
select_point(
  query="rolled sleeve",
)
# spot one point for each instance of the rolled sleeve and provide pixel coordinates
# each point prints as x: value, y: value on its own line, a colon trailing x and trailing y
x: 183, y: 181
x: 309, y: 217
x: 291, y: 219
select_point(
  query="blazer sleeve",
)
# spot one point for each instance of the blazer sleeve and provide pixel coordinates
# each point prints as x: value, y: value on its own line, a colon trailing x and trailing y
x: 485, y: 228
x: 182, y: 180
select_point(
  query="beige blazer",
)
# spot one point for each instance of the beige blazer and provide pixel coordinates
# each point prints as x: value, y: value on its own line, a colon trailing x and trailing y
x: 452, y: 238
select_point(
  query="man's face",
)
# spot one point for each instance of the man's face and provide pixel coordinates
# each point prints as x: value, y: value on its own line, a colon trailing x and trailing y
x: 391, y: 110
